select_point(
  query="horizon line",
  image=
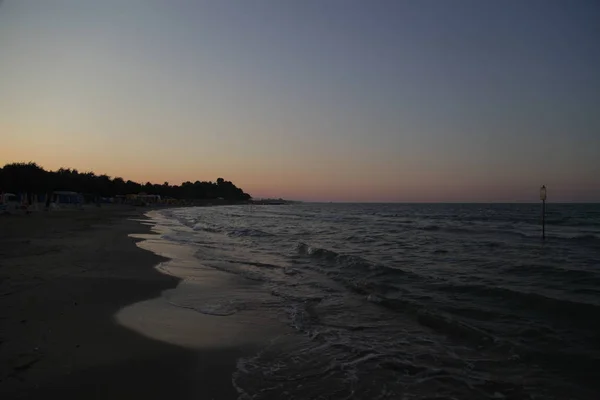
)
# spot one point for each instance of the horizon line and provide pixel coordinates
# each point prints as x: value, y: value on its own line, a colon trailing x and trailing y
x: 440, y: 202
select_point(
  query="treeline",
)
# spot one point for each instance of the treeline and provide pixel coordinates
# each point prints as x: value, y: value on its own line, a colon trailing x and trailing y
x: 31, y: 178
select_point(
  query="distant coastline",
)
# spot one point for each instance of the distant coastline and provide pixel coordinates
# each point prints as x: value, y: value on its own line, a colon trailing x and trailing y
x: 273, y: 202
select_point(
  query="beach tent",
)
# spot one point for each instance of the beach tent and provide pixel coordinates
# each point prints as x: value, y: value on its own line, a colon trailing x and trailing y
x: 8, y: 197
x: 8, y: 202
x: 66, y: 197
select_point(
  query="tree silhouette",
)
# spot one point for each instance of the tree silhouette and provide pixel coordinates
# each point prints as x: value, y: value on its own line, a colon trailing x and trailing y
x: 31, y: 178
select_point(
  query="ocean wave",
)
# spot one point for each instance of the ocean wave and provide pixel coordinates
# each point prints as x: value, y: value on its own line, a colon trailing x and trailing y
x: 586, y: 238
x: 167, y: 213
x: 451, y: 326
x: 230, y: 231
x: 350, y: 262
x: 338, y: 364
x: 550, y: 271
x: 258, y: 264
x: 244, y: 232
x: 286, y: 294
x: 396, y: 218
x: 346, y: 260
x: 182, y: 239
x: 572, y: 221
x: 515, y: 232
x: 567, y: 310
x: 302, y: 315
x: 304, y: 248
x: 202, y: 226
x: 358, y: 274
x: 506, y: 230
x: 571, y: 313
x: 176, y: 215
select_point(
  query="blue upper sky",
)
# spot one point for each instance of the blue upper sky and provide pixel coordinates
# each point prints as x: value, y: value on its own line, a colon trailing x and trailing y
x: 326, y: 100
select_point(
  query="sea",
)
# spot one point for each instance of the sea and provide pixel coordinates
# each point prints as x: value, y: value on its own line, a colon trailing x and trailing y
x: 409, y: 301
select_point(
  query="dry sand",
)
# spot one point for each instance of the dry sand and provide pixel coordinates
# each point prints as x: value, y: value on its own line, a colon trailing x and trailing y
x: 64, y: 276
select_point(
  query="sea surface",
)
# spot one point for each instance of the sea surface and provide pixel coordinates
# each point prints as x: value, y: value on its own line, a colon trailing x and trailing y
x: 410, y: 301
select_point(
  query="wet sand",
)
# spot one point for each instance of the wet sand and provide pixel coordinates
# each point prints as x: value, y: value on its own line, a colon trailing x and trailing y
x: 64, y: 276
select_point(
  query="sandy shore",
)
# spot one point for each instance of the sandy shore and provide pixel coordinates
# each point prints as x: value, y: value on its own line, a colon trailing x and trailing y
x: 63, y: 277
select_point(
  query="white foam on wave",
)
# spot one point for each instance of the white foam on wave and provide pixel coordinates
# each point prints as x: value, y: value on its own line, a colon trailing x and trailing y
x: 203, y: 226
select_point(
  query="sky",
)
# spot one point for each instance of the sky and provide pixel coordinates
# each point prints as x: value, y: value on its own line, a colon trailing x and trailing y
x: 328, y: 100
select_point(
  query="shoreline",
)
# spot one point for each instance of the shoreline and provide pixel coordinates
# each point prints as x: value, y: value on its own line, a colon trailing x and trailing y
x: 63, y: 279
x: 200, y: 313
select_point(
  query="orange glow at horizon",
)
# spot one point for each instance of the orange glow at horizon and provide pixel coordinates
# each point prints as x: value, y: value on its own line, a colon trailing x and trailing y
x: 295, y: 182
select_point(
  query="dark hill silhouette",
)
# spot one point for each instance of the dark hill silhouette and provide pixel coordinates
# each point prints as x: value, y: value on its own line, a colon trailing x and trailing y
x: 31, y: 178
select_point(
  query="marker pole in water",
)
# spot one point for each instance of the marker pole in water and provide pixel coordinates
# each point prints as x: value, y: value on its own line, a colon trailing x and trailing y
x: 543, y: 198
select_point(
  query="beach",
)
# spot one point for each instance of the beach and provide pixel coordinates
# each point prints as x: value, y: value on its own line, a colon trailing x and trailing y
x: 64, y: 276
x: 300, y: 301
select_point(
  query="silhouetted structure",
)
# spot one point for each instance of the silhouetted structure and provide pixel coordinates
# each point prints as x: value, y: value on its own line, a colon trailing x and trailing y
x: 31, y: 178
x: 543, y: 196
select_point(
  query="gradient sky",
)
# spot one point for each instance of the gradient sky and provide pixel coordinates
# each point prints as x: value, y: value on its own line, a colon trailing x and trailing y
x: 335, y: 100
